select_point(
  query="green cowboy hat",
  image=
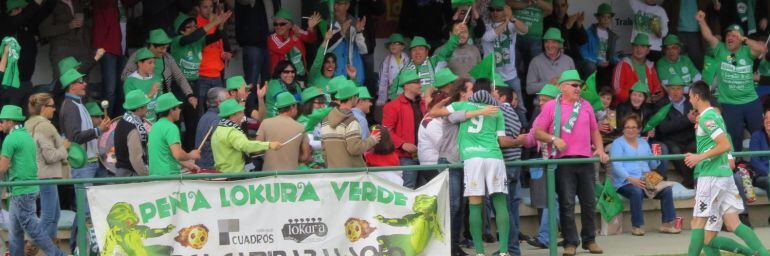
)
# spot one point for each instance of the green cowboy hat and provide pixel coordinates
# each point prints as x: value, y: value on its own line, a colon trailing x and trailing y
x: 641, y: 39
x: 284, y: 14
x: 604, y: 8
x: 284, y: 99
x: 158, y: 36
x: 13, y: 4
x: 395, y: 38
x: 143, y: 54
x: 229, y: 107
x: 641, y: 87
x: 76, y: 156
x: 94, y: 109
x: 553, y: 34
x: 235, y: 83
x: 11, y: 112
x: 675, y: 81
x: 69, y: 77
x: 569, y: 75
x: 335, y: 83
x: 419, y: 41
x: 549, y: 90
x: 180, y: 20
x: 166, y: 101
x: 497, y: 4
x: 734, y: 27
x: 363, y: 93
x: 135, y: 99
x: 407, y: 76
x: 67, y: 63
x: 346, y: 91
x: 444, y: 77
x: 671, y: 39
x: 310, y: 93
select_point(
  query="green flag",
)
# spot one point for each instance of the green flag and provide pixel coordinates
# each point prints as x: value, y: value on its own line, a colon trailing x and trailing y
x: 609, y: 201
x: 316, y: 118
x: 657, y: 118
x: 589, y: 93
x: 485, y: 68
x: 458, y: 3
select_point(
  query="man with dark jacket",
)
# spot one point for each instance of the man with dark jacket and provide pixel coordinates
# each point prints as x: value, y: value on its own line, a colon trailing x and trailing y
x: 677, y: 129
x: 252, y: 28
x: 67, y: 32
x: 131, y: 137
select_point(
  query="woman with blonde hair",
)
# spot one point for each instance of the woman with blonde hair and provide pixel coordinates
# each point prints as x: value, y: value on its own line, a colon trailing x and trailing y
x: 51, y: 157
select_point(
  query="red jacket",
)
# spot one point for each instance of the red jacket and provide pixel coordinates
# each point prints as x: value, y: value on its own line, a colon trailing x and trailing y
x: 398, y: 117
x: 279, y: 46
x: 212, y: 63
x: 625, y: 77
x: 106, y: 25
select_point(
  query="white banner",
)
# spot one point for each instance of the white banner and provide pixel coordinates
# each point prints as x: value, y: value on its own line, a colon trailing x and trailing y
x: 319, y: 214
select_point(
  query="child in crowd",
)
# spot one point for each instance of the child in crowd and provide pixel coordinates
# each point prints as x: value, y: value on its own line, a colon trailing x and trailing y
x: 606, y: 117
x: 384, y: 154
x: 391, y: 66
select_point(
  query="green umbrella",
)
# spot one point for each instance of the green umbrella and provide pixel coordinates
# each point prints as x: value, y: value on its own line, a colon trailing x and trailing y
x: 657, y: 118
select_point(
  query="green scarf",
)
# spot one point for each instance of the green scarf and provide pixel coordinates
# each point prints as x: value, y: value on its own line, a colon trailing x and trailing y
x: 11, y: 76
x: 503, y: 48
x: 557, y: 126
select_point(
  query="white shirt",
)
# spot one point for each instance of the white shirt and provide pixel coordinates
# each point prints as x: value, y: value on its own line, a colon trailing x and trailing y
x: 488, y: 40
x: 428, y: 140
x: 644, y: 11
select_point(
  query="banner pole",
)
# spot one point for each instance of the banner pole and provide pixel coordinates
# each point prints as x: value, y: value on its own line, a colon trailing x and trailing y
x: 80, y: 217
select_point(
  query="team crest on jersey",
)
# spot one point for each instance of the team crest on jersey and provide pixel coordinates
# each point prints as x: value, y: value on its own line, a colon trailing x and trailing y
x: 711, y: 124
x: 702, y: 206
x: 685, y: 70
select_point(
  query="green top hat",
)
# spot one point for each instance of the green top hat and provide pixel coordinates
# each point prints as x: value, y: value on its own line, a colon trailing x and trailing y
x: 734, y: 27
x: 407, y: 76
x: 310, y: 93
x: 143, y: 54
x: 553, y: 34
x: 419, y: 41
x: 235, y: 83
x: 229, y: 107
x: 335, y: 83
x: 284, y: 14
x: 180, y: 20
x: 135, y: 99
x: 13, y: 4
x: 346, y: 91
x: 604, y: 8
x: 158, y: 36
x: 641, y: 39
x: 549, y: 90
x: 284, y: 99
x: 497, y: 4
x: 166, y: 101
x: 569, y: 75
x: 671, y: 39
x: 76, y: 156
x: 69, y: 77
x: 11, y: 112
x: 395, y: 38
x: 444, y: 77
x: 363, y: 93
x: 94, y: 109
x: 68, y: 63
x: 641, y: 87
x: 675, y: 81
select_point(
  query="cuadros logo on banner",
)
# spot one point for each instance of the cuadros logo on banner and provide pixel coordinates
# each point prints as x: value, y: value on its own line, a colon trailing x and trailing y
x: 300, y: 229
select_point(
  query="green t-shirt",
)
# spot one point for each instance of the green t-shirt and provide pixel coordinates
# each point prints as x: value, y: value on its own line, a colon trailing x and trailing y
x: 21, y: 149
x: 163, y: 134
x: 145, y: 85
x: 683, y: 68
x: 735, y: 75
x: 477, y: 136
x: 188, y: 57
x: 533, y: 17
x: 711, y: 125
x: 641, y: 71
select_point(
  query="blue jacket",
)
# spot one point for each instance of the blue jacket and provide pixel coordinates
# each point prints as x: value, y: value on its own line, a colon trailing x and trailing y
x: 342, y: 61
x: 759, y: 142
x: 623, y: 170
x: 590, y: 49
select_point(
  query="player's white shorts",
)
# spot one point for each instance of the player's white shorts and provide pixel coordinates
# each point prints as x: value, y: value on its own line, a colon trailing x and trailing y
x: 484, y: 173
x: 714, y: 197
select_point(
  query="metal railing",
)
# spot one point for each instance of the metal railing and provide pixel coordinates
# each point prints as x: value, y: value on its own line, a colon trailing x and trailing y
x: 80, y: 191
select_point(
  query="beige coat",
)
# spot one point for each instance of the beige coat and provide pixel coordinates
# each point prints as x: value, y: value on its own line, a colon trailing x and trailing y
x: 51, y: 154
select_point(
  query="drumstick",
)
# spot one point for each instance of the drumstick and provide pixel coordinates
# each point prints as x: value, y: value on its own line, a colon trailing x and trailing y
x: 292, y: 138
x: 203, y: 142
x: 466, y: 14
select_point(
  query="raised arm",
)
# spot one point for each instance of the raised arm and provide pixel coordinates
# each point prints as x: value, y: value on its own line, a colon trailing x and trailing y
x: 705, y: 31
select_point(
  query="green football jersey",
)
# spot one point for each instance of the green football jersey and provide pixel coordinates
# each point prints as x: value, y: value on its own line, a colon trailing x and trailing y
x: 477, y: 137
x: 711, y: 125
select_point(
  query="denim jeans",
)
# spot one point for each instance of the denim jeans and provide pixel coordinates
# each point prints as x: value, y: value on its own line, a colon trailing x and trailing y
x: 410, y: 178
x: 50, y: 211
x: 542, y: 231
x: 742, y: 117
x: 636, y: 196
x: 112, y: 65
x: 455, y: 202
x: 24, y: 220
x: 255, y: 64
x: 203, y: 85
x: 90, y: 170
x: 514, y: 200
x: 571, y: 180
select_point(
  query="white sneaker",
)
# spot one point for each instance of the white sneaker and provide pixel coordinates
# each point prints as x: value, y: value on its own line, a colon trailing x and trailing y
x: 504, y: 254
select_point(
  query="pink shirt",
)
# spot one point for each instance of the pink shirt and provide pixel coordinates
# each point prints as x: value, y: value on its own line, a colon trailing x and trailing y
x: 579, y: 141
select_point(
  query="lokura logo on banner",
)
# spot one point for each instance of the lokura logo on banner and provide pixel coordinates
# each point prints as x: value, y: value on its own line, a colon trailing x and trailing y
x: 230, y: 234
x: 300, y: 229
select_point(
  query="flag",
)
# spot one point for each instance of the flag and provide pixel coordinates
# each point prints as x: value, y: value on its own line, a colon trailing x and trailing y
x: 609, y: 201
x: 325, y: 25
x: 485, y: 68
x: 657, y: 118
x: 589, y: 93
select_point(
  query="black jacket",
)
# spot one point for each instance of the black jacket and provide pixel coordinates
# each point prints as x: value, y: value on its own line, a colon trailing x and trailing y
x: 251, y: 26
x: 644, y: 112
x: 677, y: 126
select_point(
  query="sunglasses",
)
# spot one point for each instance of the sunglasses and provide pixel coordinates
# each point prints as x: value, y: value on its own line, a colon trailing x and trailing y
x: 289, y: 72
x: 279, y: 24
x: 576, y: 85
x: 80, y: 81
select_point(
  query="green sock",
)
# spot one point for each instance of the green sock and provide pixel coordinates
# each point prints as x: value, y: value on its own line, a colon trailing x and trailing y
x: 727, y: 244
x: 500, y: 201
x: 696, y: 242
x: 751, y: 239
x: 711, y: 251
x: 474, y: 219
